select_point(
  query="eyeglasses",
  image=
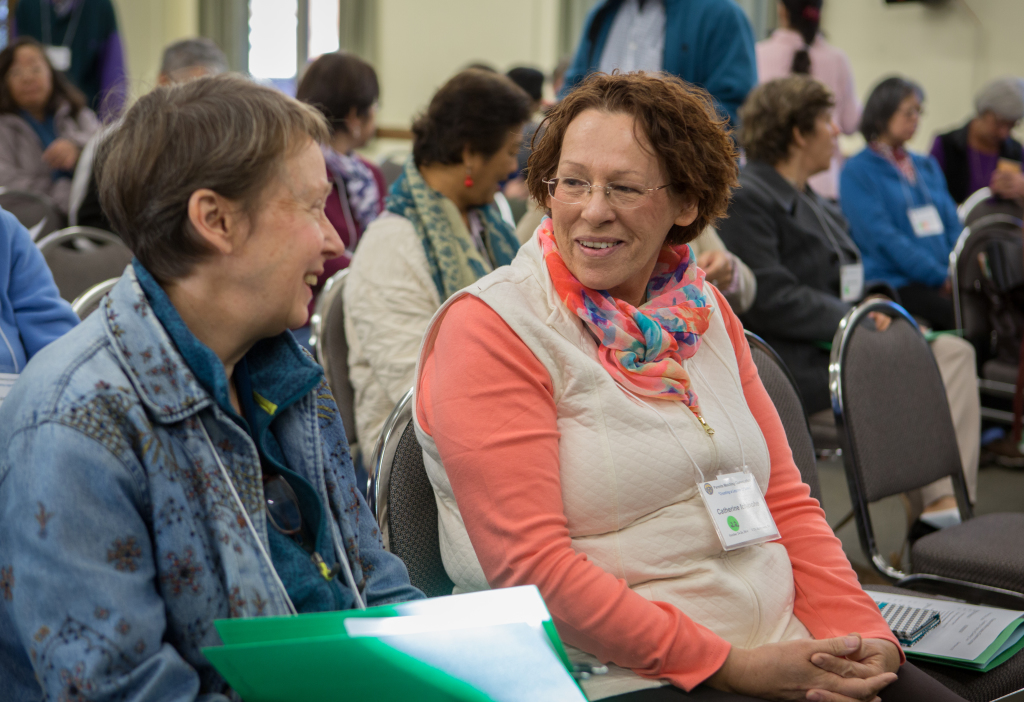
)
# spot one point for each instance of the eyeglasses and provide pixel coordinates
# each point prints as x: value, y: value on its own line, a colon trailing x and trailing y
x: 621, y: 196
x: 282, y: 506
x: 34, y: 71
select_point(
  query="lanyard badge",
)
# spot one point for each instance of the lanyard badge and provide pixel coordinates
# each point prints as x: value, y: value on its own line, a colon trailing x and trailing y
x: 925, y: 220
x: 738, y: 510
x: 851, y: 281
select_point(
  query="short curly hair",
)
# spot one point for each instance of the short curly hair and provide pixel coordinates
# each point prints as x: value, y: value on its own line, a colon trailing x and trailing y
x: 678, y: 120
x: 476, y: 109
x: 774, y: 109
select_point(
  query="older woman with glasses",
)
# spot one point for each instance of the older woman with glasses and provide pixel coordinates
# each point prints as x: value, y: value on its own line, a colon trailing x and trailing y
x: 901, y: 214
x: 593, y: 424
x: 177, y: 458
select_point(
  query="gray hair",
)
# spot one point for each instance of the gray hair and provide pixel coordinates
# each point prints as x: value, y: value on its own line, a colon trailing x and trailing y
x: 1003, y: 97
x: 199, y: 52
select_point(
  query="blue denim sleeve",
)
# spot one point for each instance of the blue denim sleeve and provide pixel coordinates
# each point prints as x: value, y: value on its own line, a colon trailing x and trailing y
x: 79, y: 589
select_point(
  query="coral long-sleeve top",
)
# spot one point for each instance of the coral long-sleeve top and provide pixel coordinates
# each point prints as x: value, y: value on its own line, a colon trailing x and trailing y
x: 487, y: 402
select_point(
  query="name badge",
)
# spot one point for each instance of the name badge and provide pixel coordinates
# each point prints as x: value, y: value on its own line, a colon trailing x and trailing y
x: 851, y: 282
x: 925, y: 220
x: 60, y: 57
x: 738, y: 510
x: 7, y: 381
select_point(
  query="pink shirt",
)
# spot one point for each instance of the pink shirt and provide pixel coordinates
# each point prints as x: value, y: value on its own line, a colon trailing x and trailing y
x: 488, y: 403
x: 829, y: 65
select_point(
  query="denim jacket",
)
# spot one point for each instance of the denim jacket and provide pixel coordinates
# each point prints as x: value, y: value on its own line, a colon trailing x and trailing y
x: 122, y: 538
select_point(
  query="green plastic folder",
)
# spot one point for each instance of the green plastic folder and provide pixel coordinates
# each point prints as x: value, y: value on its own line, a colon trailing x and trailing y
x: 494, y: 645
x: 1008, y: 643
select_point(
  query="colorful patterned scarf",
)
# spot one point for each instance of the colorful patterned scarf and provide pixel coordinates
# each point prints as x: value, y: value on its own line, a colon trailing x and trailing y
x: 452, y: 255
x: 898, y: 158
x: 641, y: 347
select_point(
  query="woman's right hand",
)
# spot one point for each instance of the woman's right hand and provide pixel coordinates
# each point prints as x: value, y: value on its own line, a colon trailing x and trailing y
x: 784, y: 671
x: 62, y: 155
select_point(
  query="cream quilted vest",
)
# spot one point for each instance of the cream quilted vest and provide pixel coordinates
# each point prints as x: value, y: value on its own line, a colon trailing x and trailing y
x: 629, y: 490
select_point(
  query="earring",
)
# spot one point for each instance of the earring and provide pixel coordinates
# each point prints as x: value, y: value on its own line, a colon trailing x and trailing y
x: 468, y: 182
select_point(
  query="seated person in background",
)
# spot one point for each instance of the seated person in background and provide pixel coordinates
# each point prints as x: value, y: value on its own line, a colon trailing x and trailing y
x: 345, y: 89
x: 182, y: 61
x: 441, y: 231
x: 177, y: 458
x: 900, y: 213
x: 982, y: 153
x: 809, y: 271
x: 191, y: 58
x: 44, y: 123
x: 32, y: 313
x: 572, y: 406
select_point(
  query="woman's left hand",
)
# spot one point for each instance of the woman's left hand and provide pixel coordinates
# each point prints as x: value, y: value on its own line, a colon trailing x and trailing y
x: 62, y: 155
x: 717, y: 266
x: 874, y: 656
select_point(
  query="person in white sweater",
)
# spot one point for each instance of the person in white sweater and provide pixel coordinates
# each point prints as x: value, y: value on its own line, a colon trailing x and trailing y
x: 440, y: 232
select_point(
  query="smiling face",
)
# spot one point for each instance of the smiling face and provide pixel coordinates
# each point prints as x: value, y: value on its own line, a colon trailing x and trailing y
x: 29, y: 79
x: 605, y: 248
x: 288, y: 243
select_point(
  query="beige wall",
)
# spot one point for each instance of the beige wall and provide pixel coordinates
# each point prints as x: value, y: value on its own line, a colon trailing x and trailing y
x: 951, y: 49
x: 147, y: 26
x: 422, y: 43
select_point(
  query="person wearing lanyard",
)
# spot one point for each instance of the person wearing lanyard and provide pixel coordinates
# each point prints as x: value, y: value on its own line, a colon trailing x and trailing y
x: 177, y: 458
x: 592, y: 423
x: 900, y: 212
x: 809, y: 272
x: 345, y: 89
x: 440, y: 232
x: 82, y: 40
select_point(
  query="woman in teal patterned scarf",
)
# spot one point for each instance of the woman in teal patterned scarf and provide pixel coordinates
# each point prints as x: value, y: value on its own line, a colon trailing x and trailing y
x: 440, y: 232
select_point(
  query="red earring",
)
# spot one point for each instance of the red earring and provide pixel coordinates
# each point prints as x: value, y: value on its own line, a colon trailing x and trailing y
x: 468, y: 182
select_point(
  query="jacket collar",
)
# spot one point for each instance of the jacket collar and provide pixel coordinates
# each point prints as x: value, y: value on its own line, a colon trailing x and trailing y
x: 175, y: 374
x: 771, y: 182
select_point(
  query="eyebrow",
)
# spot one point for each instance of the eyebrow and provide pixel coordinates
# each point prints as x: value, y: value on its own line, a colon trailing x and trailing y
x: 630, y: 171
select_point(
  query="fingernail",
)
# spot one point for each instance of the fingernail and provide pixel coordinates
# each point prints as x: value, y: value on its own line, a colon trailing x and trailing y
x: 814, y: 696
x: 851, y: 642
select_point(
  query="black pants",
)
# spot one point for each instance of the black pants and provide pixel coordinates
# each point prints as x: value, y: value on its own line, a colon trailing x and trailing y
x: 930, y: 304
x: 912, y: 685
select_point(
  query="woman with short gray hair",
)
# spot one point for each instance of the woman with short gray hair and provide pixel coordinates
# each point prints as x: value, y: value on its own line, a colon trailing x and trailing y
x: 982, y: 153
x: 177, y: 458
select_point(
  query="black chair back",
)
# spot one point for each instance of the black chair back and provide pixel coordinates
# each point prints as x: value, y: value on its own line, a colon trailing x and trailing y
x: 892, y: 414
x: 81, y: 257
x: 782, y: 389
x: 405, y: 505
x: 328, y: 338
x: 38, y: 213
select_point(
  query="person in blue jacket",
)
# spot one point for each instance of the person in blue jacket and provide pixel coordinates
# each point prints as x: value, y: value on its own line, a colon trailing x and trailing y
x: 901, y: 214
x: 177, y: 458
x: 32, y: 313
x: 706, y: 42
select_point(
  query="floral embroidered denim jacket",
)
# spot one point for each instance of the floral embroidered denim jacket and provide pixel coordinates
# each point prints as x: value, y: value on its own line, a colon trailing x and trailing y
x: 121, y: 540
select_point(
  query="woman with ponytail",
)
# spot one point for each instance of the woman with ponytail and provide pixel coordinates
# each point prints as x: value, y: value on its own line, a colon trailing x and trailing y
x: 798, y: 47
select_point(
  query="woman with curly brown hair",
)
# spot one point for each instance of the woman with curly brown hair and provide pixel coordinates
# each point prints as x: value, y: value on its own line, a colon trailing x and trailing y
x: 592, y: 424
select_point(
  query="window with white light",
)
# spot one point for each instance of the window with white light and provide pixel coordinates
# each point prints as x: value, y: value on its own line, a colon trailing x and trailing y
x: 273, y: 39
x: 324, y: 21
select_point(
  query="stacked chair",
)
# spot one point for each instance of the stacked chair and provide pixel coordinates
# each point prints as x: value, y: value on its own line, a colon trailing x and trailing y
x: 994, y: 230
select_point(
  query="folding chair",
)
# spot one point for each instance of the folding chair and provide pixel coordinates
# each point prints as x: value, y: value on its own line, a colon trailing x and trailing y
x: 404, y: 502
x: 89, y: 301
x: 897, y: 435
x: 38, y: 213
x: 328, y: 338
x: 997, y: 377
x: 976, y: 687
x: 81, y: 257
